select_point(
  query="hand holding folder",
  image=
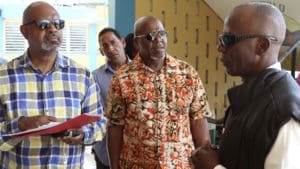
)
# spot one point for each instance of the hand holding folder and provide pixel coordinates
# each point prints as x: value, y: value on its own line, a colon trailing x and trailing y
x: 57, y: 127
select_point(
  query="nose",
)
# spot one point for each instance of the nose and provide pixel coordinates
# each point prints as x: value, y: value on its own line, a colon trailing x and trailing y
x: 110, y: 48
x: 158, y: 38
x: 221, y: 48
x: 52, y: 27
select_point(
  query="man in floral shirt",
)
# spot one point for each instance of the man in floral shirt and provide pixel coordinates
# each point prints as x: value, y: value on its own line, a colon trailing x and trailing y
x: 156, y: 106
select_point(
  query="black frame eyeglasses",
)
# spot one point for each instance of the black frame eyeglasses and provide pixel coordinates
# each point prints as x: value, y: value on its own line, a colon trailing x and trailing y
x: 152, y: 35
x: 227, y: 40
x: 45, y: 23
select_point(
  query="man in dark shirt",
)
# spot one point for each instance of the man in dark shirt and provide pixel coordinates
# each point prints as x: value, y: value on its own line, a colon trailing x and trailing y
x: 262, y: 129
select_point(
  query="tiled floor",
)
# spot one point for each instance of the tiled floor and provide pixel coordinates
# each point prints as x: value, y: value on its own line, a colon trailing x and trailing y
x: 89, y: 161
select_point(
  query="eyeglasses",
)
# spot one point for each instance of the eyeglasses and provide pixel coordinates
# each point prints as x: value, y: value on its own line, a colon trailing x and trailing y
x: 152, y: 35
x: 45, y: 23
x: 227, y: 40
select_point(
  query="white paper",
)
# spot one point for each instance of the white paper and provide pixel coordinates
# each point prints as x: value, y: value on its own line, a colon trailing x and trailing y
x: 46, y: 126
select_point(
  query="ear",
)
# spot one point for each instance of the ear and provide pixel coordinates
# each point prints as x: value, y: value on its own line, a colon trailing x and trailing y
x: 262, y: 45
x: 24, y: 31
x: 136, y: 44
x: 102, y: 53
x: 123, y: 42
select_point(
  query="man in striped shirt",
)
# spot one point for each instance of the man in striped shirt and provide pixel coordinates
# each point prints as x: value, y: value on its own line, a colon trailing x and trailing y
x: 42, y: 86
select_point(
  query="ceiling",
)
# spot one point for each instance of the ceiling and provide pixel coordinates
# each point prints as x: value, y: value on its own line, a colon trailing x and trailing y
x: 290, y: 9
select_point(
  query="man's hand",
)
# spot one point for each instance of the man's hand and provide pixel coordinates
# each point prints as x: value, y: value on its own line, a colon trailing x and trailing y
x: 205, y: 157
x: 26, y: 123
x: 74, y: 140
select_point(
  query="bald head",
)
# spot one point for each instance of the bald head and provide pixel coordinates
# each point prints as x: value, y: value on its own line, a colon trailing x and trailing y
x: 38, y: 19
x: 30, y: 12
x: 261, y: 27
x: 142, y: 24
x: 150, y: 38
x: 259, y: 18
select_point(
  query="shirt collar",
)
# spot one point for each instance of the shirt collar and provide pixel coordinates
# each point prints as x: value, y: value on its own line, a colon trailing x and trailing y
x: 107, y: 67
x: 60, y: 61
x: 276, y: 65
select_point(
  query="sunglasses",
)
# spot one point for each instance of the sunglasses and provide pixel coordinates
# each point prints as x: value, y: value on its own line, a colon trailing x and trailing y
x: 45, y: 23
x: 227, y: 40
x: 152, y: 35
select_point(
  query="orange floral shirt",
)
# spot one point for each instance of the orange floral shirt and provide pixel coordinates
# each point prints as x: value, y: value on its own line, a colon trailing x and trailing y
x: 155, y: 109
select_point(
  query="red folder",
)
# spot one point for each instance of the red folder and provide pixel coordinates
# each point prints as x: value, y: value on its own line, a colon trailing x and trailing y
x: 56, y: 127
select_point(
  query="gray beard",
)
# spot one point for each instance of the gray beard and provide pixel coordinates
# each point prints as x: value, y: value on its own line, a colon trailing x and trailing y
x: 50, y: 47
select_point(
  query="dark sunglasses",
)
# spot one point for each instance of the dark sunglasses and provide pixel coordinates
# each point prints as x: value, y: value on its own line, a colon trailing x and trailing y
x: 152, y: 35
x: 45, y: 23
x: 227, y: 40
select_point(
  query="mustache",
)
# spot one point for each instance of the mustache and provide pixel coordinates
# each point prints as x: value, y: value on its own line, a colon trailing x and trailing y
x: 49, y: 46
x: 53, y: 35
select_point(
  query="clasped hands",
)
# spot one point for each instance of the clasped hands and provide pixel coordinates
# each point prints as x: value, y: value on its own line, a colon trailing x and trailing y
x: 26, y: 123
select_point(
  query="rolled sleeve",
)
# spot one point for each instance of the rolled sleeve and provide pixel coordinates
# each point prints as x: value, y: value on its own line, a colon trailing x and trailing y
x: 200, y: 106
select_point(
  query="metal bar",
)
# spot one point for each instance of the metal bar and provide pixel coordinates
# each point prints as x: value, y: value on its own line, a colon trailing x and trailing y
x: 293, y: 62
x: 289, y: 51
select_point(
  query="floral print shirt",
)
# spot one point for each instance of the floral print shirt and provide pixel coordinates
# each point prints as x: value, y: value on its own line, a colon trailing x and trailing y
x: 155, y: 109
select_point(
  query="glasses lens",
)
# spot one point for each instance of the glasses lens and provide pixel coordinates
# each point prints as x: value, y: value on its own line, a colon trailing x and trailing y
x: 162, y: 34
x: 43, y: 24
x: 227, y: 40
x: 59, y: 24
x: 150, y: 36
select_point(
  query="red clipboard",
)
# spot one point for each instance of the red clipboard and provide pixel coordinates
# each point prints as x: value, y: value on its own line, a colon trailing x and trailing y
x: 56, y: 127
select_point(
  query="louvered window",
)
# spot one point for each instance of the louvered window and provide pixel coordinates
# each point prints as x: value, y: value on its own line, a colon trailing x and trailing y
x: 78, y: 38
x: 63, y: 47
x: 74, y: 39
x: 14, y: 41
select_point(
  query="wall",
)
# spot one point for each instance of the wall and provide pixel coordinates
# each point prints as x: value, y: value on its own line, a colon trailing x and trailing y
x: 193, y: 28
x: 122, y: 15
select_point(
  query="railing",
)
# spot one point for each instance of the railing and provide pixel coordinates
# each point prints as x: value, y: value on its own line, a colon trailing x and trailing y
x: 292, y: 50
x: 289, y: 51
x: 217, y: 131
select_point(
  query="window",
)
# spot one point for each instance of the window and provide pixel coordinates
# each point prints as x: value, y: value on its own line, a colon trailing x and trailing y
x: 78, y: 36
x: 74, y: 39
x: 14, y: 41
